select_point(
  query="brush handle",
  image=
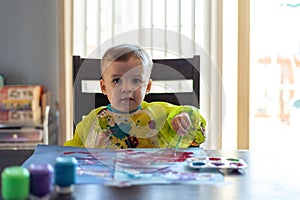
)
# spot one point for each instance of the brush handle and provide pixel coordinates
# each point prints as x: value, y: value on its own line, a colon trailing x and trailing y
x: 177, y: 144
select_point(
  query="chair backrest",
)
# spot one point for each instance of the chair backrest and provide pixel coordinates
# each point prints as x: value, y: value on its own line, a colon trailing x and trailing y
x: 174, y: 80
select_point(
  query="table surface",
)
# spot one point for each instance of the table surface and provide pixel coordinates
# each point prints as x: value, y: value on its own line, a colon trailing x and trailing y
x: 269, y: 175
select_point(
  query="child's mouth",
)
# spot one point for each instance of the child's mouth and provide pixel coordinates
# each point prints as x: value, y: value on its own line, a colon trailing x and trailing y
x: 126, y: 99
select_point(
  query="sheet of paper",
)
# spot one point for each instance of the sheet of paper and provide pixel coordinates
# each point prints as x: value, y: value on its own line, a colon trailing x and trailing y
x: 94, y: 166
x: 159, y: 166
x: 129, y: 166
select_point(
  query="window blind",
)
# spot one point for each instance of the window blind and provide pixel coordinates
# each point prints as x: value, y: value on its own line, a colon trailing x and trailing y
x: 165, y: 28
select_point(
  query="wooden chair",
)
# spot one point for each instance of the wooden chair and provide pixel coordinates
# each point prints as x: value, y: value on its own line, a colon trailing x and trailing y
x: 166, y: 73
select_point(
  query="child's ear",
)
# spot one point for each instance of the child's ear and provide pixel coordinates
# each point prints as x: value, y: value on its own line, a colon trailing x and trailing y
x: 102, y: 86
x: 148, y: 88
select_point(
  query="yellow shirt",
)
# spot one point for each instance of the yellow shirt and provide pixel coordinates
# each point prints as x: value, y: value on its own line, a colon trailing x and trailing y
x: 148, y: 127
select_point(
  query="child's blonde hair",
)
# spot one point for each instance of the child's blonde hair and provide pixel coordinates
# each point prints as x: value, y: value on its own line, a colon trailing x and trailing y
x: 122, y: 53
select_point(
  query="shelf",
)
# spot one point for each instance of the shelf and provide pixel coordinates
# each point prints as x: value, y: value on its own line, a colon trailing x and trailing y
x: 5, y: 125
x: 19, y: 145
x: 24, y: 135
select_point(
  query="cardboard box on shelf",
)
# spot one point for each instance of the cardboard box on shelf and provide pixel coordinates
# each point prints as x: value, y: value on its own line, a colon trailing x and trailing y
x: 21, y: 116
x: 21, y: 92
x: 19, y: 104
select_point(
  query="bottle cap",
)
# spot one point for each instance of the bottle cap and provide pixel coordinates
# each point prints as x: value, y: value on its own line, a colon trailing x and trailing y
x: 40, y: 179
x: 65, y: 173
x: 15, y: 183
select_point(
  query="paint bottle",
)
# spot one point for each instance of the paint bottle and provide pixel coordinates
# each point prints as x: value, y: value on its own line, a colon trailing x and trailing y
x: 15, y: 183
x: 40, y: 181
x: 65, y: 174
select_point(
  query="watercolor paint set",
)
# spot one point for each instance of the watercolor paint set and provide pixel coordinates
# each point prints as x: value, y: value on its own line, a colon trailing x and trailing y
x: 216, y: 163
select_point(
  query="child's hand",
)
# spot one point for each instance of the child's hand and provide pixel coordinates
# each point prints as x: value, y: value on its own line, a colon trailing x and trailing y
x: 181, y: 123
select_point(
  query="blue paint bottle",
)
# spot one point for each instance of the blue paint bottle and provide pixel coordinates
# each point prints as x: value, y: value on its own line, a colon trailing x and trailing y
x: 65, y: 174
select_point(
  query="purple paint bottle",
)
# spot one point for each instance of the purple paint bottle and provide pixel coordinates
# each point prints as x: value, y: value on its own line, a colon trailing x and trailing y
x: 40, y: 180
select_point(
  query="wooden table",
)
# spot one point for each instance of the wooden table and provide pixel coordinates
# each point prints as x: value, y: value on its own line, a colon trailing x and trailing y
x: 269, y: 175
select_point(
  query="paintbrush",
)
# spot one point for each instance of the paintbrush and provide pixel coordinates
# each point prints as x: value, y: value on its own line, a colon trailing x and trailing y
x: 177, y: 144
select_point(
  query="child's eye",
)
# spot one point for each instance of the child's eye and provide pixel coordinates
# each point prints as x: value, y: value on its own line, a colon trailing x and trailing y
x: 116, y: 80
x: 136, y: 80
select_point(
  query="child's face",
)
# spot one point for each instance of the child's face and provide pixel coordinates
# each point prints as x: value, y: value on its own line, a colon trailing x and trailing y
x: 125, y: 84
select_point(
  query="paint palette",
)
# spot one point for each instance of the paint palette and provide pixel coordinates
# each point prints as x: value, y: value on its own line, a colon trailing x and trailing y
x: 216, y: 162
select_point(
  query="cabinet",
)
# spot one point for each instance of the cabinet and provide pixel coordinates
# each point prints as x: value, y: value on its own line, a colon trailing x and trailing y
x: 25, y: 135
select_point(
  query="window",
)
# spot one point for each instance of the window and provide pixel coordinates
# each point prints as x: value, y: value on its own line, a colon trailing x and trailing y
x: 165, y: 28
x: 275, y: 74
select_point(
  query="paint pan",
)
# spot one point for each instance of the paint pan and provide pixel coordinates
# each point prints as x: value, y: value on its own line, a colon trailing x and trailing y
x: 216, y: 163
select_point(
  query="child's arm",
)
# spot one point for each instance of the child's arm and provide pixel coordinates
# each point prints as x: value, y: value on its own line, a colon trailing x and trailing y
x: 179, y: 120
x: 195, y: 133
x: 75, y: 142
x: 82, y: 129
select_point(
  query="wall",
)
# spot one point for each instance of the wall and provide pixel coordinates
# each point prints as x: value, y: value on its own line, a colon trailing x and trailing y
x: 29, y: 43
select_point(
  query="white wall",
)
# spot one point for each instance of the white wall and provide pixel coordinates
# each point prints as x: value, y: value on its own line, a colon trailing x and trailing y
x: 29, y: 43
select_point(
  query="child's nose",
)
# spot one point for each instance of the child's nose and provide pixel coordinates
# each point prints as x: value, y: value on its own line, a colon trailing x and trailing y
x: 127, y: 87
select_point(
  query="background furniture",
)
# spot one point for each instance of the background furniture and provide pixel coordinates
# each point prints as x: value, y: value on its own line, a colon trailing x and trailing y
x: 25, y: 135
x: 165, y: 74
x: 28, y: 135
